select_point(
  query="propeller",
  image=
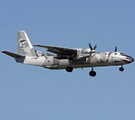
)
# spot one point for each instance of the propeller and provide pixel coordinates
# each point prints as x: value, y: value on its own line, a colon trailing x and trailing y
x: 115, y: 48
x: 92, y: 49
x: 90, y: 46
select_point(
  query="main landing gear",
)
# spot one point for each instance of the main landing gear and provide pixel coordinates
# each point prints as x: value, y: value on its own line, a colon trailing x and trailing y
x: 92, y: 73
x: 69, y: 69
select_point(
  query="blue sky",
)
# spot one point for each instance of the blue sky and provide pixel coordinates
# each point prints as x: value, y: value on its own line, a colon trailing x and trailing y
x: 30, y: 92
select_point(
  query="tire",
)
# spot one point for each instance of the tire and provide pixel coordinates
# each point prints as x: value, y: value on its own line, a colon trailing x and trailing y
x: 69, y: 69
x: 92, y: 73
x: 121, y: 69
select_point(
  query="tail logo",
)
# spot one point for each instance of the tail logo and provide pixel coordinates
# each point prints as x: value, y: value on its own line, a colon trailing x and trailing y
x: 23, y: 43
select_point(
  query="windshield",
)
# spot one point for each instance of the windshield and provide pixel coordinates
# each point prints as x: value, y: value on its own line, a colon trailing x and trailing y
x: 122, y: 54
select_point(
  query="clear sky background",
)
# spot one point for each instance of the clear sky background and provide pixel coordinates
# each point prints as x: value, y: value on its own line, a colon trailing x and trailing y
x: 35, y: 93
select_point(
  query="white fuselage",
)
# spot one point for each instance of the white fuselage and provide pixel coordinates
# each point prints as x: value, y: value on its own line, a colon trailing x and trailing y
x: 96, y: 60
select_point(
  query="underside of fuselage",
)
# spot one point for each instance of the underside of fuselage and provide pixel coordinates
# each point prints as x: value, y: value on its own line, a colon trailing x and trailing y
x: 97, y: 60
x: 86, y: 65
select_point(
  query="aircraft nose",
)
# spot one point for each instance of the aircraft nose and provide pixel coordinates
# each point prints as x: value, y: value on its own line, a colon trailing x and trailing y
x: 130, y: 58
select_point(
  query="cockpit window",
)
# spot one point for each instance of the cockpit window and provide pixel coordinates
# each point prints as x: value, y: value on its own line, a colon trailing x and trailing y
x: 123, y: 54
x: 115, y: 53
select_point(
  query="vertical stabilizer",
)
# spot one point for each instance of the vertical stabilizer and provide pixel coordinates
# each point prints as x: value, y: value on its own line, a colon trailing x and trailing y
x: 25, y: 47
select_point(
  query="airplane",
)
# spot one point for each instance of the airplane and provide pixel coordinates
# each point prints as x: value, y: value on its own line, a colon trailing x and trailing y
x: 66, y: 58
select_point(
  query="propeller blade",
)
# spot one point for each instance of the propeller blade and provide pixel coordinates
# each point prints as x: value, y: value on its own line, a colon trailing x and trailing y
x: 90, y: 46
x: 95, y: 47
x: 115, y: 48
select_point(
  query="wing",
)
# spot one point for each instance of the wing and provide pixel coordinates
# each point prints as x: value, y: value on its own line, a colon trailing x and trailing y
x: 58, y: 50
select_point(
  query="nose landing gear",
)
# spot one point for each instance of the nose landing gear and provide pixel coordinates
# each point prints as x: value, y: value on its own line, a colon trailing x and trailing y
x: 92, y: 73
x: 121, y: 69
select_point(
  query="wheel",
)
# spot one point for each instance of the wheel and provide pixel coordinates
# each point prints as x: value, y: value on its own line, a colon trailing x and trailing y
x: 121, y: 69
x: 69, y: 69
x: 92, y: 73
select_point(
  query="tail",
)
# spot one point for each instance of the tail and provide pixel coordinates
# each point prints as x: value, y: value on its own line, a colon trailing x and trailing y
x: 25, y: 47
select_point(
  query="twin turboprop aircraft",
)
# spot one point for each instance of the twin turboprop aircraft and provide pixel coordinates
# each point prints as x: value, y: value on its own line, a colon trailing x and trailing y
x: 66, y: 58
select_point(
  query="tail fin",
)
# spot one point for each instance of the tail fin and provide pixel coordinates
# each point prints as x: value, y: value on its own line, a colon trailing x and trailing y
x: 24, y: 45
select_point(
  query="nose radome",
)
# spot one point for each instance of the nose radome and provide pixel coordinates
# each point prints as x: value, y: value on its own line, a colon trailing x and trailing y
x: 130, y: 58
x: 133, y: 60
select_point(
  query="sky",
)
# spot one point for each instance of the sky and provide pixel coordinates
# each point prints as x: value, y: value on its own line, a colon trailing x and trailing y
x: 35, y: 93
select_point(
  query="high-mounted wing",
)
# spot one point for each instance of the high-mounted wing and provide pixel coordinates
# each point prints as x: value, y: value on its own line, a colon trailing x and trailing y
x: 58, y: 50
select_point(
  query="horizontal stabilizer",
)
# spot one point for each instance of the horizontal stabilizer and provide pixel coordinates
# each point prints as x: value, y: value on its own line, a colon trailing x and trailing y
x: 13, y: 54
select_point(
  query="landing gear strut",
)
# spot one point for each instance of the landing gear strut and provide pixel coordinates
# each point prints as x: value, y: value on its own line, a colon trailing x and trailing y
x: 92, y: 73
x: 121, y: 69
x: 69, y: 68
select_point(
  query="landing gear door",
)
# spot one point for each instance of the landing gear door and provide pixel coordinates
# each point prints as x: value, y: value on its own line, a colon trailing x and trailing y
x: 49, y: 61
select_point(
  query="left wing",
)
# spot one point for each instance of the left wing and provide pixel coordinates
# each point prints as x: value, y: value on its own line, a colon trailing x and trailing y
x: 58, y: 50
